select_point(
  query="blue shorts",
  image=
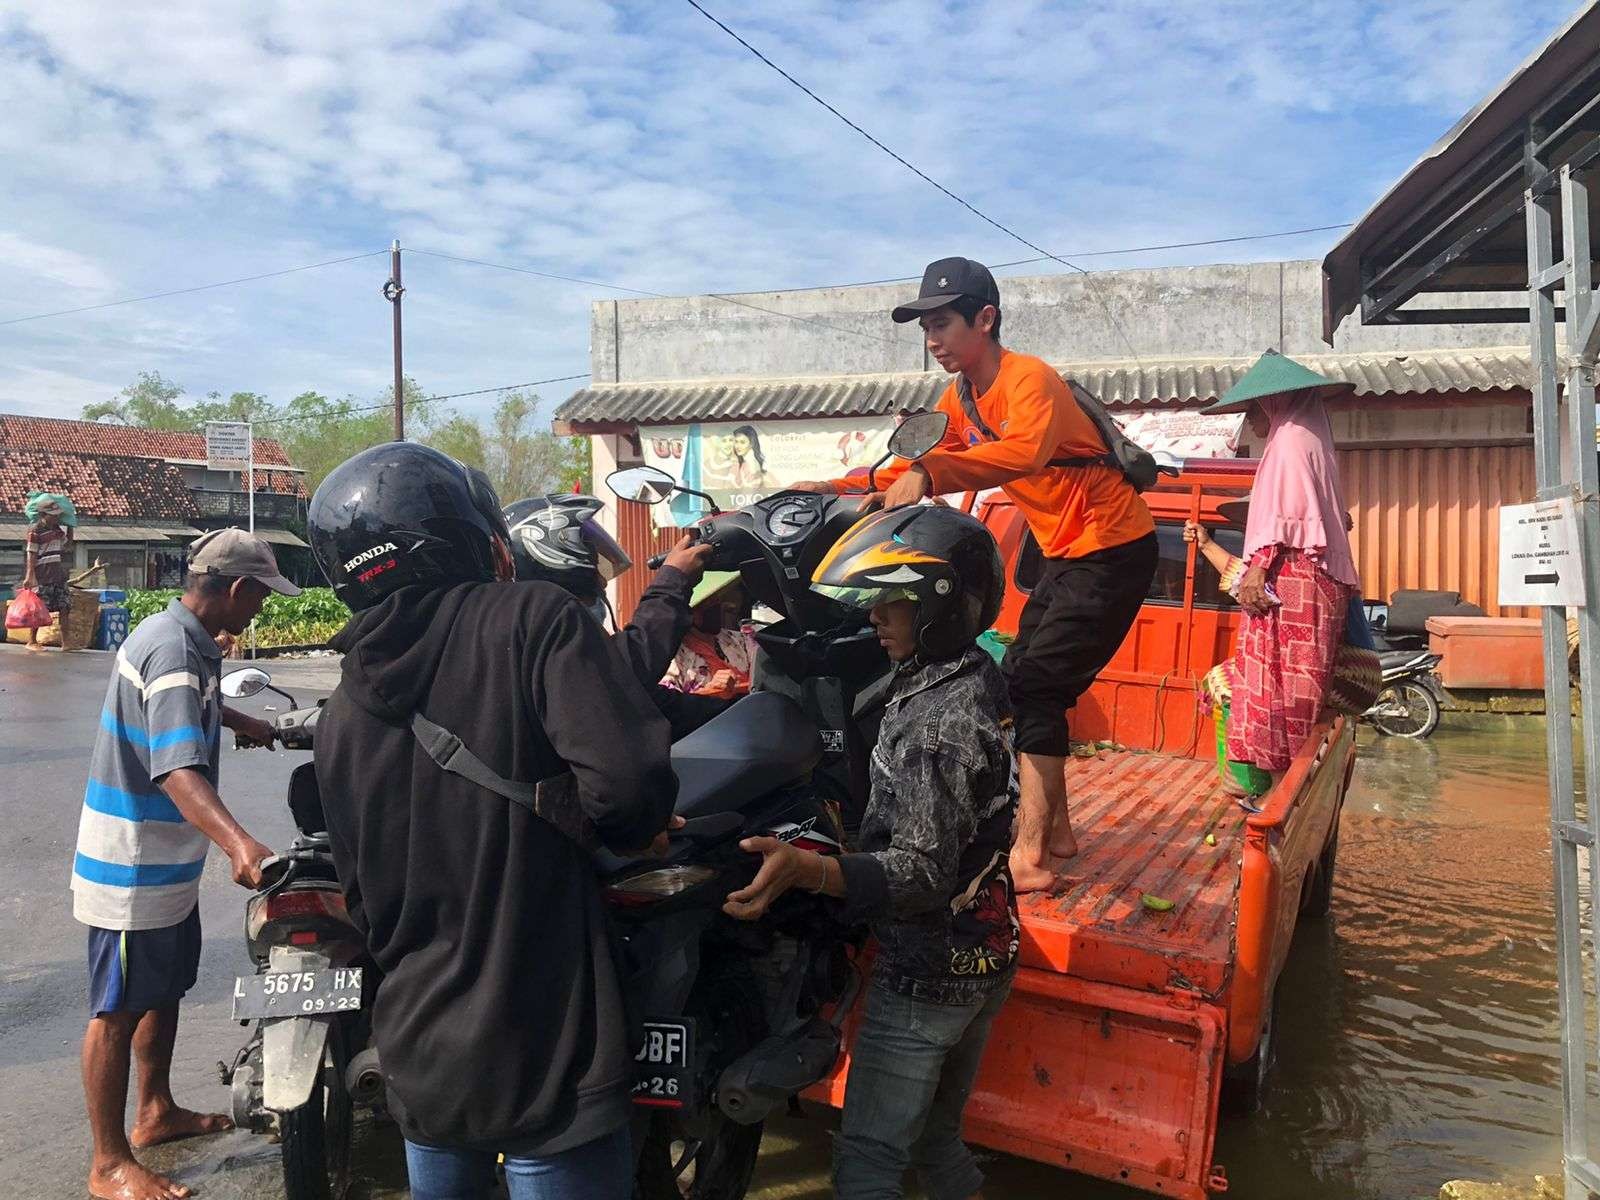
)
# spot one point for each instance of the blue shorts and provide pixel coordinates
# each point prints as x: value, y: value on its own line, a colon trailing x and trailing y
x: 137, y: 970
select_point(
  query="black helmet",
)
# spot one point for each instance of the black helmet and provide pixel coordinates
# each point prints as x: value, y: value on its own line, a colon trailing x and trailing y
x: 943, y: 559
x: 557, y: 538
x: 401, y: 514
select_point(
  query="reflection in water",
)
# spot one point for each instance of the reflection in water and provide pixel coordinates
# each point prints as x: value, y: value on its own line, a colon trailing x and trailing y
x: 1418, y: 1026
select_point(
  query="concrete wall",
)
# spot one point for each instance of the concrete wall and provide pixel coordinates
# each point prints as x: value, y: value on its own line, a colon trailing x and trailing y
x: 1224, y: 311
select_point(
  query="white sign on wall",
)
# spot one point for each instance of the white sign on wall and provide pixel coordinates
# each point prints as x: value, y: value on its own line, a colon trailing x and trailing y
x: 1184, y: 434
x: 227, y: 445
x: 1541, y: 555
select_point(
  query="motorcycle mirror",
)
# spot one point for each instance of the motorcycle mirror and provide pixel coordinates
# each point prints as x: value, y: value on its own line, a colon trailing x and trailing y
x: 644, y: 485
x: 918, y: 434
x: 245, y: 682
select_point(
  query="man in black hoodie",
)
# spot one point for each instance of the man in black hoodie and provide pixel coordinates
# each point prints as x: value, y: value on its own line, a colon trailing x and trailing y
x: 499, y: 1021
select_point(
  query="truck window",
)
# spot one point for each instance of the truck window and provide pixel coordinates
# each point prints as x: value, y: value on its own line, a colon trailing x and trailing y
x: 1167, y: 586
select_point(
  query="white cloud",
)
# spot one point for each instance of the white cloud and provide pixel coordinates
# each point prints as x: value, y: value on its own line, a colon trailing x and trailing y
x: 157, y: 145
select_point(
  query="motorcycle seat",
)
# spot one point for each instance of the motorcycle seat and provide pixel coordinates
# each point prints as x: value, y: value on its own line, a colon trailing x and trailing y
x: 762, y: 743
x: 1390, y: 659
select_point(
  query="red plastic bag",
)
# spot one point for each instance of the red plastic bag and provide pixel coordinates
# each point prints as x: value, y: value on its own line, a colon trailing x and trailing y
x: 27, y: 611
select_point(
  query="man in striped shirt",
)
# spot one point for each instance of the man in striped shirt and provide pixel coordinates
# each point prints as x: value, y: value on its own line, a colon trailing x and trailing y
x: 150, y: 812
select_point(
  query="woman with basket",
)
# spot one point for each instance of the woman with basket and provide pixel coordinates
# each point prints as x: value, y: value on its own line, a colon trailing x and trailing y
x: 1297, y: 582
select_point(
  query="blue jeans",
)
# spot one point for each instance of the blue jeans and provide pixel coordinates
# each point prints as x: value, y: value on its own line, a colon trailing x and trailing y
x: 597, y: 1170
x: 910, y: 1075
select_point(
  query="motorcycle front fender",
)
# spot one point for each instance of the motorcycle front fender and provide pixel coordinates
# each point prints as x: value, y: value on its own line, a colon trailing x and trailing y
x: 292, y: 1050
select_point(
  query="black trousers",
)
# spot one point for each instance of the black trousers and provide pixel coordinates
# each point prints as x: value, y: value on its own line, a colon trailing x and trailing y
x: 1073, y: 623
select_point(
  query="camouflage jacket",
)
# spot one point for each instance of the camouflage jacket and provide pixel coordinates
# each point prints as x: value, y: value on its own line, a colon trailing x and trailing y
x: 930, y: 870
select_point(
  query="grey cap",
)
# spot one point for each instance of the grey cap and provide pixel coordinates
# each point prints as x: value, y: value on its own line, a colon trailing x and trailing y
x: 235, y: 552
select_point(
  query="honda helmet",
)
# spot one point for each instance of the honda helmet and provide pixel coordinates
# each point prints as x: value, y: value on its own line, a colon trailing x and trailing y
x: 559, y: 539
x: 943, y: 559
x: 401, y: 514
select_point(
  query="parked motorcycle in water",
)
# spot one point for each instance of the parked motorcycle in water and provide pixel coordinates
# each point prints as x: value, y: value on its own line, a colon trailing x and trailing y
x: 1408, y: 705
x: 307, y: 1066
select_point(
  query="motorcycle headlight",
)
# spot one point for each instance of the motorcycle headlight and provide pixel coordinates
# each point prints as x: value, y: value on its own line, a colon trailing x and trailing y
x: 659, y: 884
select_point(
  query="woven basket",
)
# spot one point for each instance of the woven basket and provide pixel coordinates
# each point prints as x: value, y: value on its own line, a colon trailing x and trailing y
x: 1357, y: 680
x: 78, y: 624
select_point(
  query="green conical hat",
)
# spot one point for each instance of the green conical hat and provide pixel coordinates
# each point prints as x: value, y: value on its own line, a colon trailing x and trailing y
x: 710, y: 584
x: 1274, y: 374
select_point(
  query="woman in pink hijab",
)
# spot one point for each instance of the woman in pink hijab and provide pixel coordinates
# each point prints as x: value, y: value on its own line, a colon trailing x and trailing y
x: 1298, y: 576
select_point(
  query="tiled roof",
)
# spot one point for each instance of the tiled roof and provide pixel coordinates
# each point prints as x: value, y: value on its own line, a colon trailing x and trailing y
x: 100, y: 485
x: 99, y: 437
x: 1153, y: 381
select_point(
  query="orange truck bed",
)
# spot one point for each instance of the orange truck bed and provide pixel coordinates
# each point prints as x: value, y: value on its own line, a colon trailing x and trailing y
x: 1125, y: 1018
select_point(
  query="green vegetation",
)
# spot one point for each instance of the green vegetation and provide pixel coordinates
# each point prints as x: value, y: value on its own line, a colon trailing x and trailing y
x: 309, y: 619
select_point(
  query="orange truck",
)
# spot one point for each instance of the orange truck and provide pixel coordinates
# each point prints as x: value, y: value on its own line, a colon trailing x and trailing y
x: 1131, y: 1023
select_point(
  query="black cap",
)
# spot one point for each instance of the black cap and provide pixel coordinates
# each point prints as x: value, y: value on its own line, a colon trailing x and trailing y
x: 946, y: 280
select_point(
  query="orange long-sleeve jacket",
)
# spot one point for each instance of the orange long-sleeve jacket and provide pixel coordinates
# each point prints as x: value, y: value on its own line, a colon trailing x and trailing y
x: 1073, y: 511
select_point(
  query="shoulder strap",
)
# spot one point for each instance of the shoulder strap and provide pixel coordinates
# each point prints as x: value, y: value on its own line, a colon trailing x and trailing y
x: 969, y: 406
x: 446, y: 749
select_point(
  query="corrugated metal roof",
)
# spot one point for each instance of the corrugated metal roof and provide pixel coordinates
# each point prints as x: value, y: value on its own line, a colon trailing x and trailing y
x: 1153, y: 381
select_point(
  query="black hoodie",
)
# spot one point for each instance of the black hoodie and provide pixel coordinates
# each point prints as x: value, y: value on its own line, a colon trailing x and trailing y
x: 498, y: 1022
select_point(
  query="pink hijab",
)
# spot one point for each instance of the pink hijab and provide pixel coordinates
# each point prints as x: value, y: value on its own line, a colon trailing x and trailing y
x: 1295, y: 500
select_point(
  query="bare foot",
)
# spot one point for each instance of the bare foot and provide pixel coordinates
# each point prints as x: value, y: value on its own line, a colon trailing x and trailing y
x: 174, y: 1123
x: 1030, y: 877
x: 34, y: 646
x: 127, y: 1180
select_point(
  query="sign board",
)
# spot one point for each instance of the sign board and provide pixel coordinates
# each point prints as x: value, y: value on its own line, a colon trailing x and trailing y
x: 737, y: 463
x: 1541, y: 555
x: 1184, y: 434
x: 227, y: 445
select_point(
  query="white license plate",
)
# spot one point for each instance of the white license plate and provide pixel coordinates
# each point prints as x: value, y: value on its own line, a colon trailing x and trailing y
x: 297, y: 993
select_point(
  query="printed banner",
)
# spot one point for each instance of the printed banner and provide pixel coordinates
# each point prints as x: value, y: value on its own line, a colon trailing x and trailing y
x: 739, y: 463
x: 1184, y: 434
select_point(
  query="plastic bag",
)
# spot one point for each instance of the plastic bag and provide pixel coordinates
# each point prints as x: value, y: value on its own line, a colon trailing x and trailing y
x: 27, y: 611
x: 40, y: 501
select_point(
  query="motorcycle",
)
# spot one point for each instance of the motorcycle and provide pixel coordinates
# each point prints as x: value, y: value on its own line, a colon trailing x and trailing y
x: 1408, y: 705
x: 740, y: 1018
x: 307, y: 1066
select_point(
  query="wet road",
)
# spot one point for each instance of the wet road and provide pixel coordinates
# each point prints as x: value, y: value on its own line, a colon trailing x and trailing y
x: 1418, y: 1025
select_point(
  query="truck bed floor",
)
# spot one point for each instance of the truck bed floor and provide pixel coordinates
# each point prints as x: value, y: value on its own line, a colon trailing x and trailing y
x: 1142, y: 822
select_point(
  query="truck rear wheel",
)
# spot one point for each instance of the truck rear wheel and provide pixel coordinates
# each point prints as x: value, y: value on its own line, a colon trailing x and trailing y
x: 1244, y: 1085
x: 1319, y: 899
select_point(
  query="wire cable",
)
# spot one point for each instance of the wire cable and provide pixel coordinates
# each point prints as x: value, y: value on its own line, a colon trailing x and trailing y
x: 617, y: 287
x: 388, y: 405
x: 925, y: 177
x: 204, y: 287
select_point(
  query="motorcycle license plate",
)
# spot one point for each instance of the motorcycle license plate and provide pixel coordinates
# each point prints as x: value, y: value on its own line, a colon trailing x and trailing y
x: 664, y: 1065
x: 297, y: 993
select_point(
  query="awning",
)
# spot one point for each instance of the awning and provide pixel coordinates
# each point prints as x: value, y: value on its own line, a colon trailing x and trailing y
x: 16, y: 531
x: 1453, y: 222
x: 1117, y: 383
x: 280, y: 537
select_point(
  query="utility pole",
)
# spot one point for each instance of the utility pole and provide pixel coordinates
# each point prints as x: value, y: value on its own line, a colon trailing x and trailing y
x: 393, y: 291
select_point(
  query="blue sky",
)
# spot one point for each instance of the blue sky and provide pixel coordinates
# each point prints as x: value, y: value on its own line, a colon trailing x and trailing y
x: 152, y: 146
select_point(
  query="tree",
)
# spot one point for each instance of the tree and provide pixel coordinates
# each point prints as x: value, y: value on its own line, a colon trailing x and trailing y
x: 241, y: 406
x: 526, y: 460
x: 151, y: 402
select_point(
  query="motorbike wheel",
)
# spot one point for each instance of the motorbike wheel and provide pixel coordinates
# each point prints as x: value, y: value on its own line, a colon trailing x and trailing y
x: 716, y: 1159
x: 314, y: 1139
x: 1406, y: 709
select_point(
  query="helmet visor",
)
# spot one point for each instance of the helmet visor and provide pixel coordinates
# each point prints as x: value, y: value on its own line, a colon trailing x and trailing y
x: 864, y: 598
x: 610, y: 559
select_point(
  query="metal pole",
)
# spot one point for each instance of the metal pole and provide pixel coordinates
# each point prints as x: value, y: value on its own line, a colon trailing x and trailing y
x: 1565, y: 835
x: 250, y: 474
x: 394, y: 291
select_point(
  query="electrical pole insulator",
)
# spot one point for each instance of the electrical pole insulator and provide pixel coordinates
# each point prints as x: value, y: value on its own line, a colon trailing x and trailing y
x: 392, y: 291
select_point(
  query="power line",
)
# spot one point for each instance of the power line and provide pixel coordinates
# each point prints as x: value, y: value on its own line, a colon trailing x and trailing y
x: 350, y: 410
x: 1026, y: 262
x: 616, y: 287
x: 925, y: 177
x: 204, y: 287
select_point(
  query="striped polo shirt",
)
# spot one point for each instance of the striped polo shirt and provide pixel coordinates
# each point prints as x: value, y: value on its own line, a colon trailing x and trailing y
x: 138, y: 862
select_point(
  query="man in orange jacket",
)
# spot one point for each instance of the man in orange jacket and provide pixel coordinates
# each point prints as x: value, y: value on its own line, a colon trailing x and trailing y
x: 1097, y: 536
